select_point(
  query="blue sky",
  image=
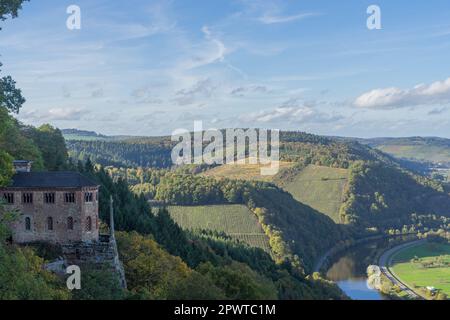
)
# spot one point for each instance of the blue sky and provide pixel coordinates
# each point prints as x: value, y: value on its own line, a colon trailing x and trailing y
x: 150, y: 67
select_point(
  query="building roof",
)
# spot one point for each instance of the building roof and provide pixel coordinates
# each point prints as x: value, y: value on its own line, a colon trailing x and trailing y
x: 57, y: 179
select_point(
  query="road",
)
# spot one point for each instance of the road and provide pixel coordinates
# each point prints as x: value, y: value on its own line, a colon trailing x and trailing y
x: 385, y: 262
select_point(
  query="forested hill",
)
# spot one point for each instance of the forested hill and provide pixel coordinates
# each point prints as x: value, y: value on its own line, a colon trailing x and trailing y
x: 424, y: 149
x: 369, y: 200
x: 161, y: 260
x: 127, y: 151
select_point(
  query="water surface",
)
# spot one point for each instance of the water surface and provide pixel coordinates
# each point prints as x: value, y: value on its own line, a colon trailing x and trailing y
x: 349, y: 271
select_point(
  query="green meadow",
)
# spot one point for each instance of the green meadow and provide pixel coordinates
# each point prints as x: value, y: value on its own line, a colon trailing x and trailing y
x: 427, y: 265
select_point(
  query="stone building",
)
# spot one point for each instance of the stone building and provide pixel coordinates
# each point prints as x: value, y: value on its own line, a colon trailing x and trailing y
x: 55, y: 207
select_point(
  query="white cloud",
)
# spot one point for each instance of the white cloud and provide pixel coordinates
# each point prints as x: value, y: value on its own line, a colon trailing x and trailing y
x: 67, y: 114
x: 391, y: 98
x: 272, y: 19
x: 291, y: 112
x: 251, y: 89
x: 200, y: 90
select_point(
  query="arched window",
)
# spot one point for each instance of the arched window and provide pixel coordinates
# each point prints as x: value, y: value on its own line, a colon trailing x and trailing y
x: 88, y: 224
x: 50, y: 223
x: 70, y: 223
x: 27, y: 224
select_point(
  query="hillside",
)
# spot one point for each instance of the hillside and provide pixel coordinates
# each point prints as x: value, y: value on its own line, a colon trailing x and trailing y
x: 249, y: 172
x: 235, y: 221
x: 363, y: 193
x: 321, y: 188
x: 436, y: 150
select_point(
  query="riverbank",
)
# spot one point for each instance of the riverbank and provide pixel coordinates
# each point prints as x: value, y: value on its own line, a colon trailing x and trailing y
x: 346, y: 265
x: 385, y: 262
x: 323, y: 263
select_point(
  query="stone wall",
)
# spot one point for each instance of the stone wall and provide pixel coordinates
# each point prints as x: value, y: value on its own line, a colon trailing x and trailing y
x: 38, y: 212
x: 100, y: 254
x: 96, y: 253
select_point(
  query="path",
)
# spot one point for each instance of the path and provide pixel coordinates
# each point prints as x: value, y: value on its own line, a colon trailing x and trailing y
x: 385, y: 262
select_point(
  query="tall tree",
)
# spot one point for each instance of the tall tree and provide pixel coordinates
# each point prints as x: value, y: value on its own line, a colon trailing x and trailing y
x: 10, y: 97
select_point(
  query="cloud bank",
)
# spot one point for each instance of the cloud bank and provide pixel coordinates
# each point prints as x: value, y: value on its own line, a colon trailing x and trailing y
x: 392, y: 98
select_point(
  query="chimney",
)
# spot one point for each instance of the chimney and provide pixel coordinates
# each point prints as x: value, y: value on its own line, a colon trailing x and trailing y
x: 22, y: 165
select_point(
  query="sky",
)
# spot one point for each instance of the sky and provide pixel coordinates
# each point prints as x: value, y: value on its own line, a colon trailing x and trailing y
x: 151, y: 67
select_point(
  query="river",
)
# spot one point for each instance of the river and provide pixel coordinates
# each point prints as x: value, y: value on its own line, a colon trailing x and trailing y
x: 348, y: 270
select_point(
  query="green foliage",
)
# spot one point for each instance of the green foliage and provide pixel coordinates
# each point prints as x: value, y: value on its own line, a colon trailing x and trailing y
x: 16, y: 143
x: 154, y: 274
x: 296, y: 232
x: 6, y: 168
x: 239, y: 282
x: 10, y: 8
x: 130, y: 153
x: 11, y: 97
x: 99, y: 284
x: 52, y: 145
x: 384, y: 196
x: 21, y: 273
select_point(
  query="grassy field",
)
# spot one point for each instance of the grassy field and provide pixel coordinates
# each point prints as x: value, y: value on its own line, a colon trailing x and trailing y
x: 415, y: 274
x: 418, y: 152
x: 320, y: 188
x: 242, y: 172
x: 237, y: 221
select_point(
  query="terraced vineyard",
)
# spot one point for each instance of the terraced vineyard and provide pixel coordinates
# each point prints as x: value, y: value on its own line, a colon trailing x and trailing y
x: 320, y: 188
x: 237, y: 221
x: 250, y: 172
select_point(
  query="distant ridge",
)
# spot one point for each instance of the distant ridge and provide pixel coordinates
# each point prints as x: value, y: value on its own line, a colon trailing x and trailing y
x: 81, y: 133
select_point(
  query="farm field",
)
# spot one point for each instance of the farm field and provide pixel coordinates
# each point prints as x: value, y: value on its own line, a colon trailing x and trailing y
x: 415, y: 273
x: 320, y: 188
x: 237, y: 221
x: 243, y: 172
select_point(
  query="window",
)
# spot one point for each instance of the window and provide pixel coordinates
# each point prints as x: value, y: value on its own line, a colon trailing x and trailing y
x: 88, y: 224
x: 27, y: 198
x: 9, y: 198
x: 50, y: 224
x: 69, y: 197
x: 49, y: 198
x: 88, y: 197
x: 27, y: 224
x: 70, y: 223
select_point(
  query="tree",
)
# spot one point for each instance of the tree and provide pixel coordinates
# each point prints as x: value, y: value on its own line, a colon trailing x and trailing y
x: 52, y: 145
x: 10, y: 8
x: 6, y: 169
x: 99, y: 284
x: 21, y: 274
x: 10, y: 97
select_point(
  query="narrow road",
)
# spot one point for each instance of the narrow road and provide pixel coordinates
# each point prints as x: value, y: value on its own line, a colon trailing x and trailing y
x: 385, y: 262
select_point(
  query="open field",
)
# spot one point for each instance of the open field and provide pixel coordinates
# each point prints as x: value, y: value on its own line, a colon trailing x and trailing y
x: 320, y: 188
x: 415, y: 274
x: 243, y: 172
x: 418, y: 152
x: 237, y: 221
